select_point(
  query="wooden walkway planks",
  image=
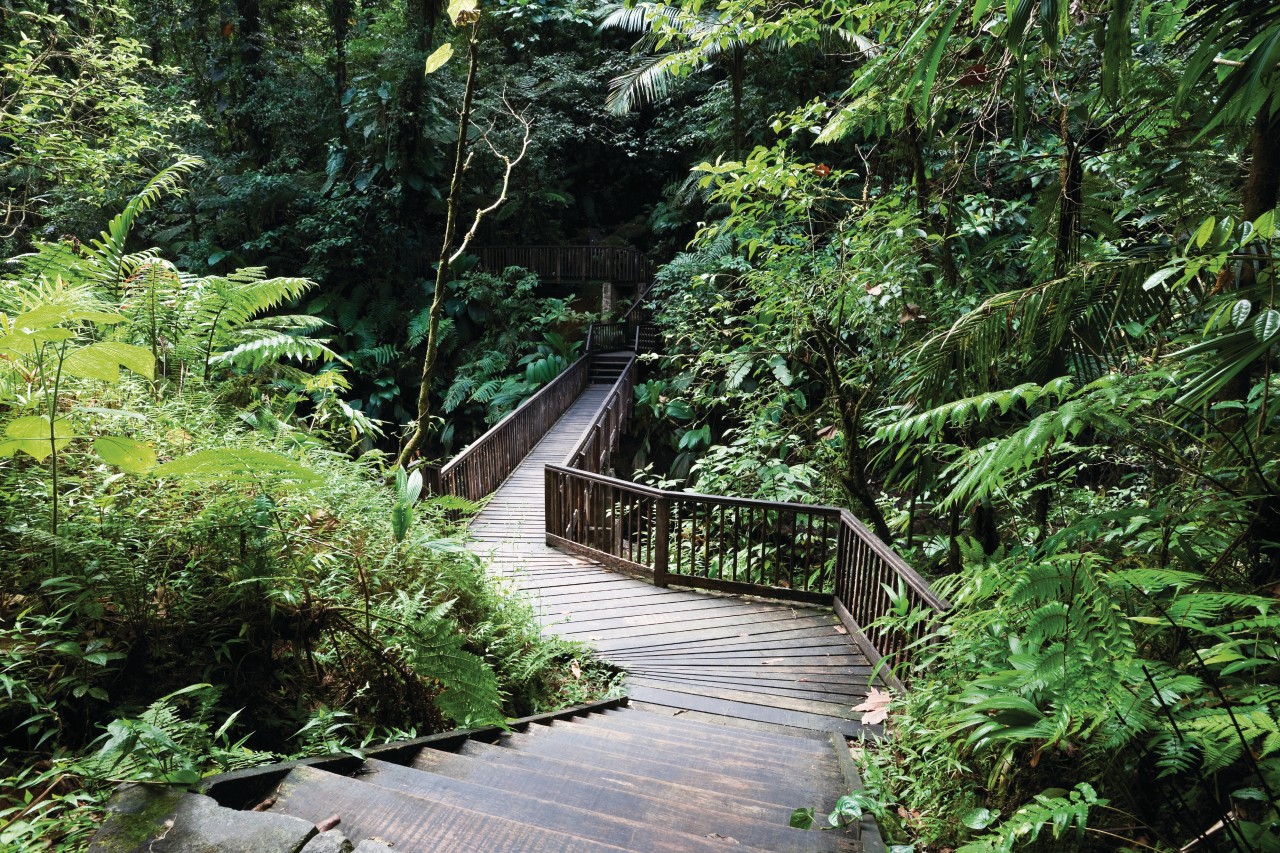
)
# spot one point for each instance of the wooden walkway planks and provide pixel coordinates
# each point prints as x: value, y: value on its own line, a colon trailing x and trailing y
x: 713, y: 656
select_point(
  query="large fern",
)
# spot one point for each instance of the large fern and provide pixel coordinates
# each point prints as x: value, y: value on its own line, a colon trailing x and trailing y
x: 468, y: 687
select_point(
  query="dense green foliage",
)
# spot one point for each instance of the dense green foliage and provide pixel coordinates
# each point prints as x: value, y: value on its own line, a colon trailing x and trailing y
x: 190, y: 546
x: 998, y: 277
x: 1008, y: 292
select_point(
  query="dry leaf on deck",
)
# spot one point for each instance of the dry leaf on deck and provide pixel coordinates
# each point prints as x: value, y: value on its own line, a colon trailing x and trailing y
x: 875, y: 707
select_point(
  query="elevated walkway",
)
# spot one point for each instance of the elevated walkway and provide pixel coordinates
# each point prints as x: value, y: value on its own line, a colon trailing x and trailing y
x: 733, y: 658
x: 739, y: 708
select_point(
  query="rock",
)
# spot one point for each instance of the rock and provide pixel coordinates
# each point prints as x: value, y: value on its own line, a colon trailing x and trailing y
x: 332, y: 841
x: 373, y: 845
x: 149, y: 819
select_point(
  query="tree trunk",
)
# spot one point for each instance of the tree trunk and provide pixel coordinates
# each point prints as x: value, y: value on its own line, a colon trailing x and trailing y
x: 1070, y: 199
x: 736, y: 72
x: 415, y: 439
x: 421, y: 16
x: 251, y: 139
x: 341, y: 11
x: 945, y: 260
x: 1261, y: 194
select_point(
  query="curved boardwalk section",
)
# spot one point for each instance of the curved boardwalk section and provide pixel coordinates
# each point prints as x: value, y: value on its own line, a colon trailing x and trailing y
x: 729, y: 660
x: 664, y: 773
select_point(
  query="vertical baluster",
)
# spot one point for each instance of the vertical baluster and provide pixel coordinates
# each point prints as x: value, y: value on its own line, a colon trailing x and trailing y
x: 707, y: 539
x: 735, y: 541
x: 662, y: 522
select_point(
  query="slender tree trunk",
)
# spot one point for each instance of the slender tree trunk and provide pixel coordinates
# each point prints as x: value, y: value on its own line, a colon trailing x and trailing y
x: 341, y: 11
x: 854, y: 476
x: 414, y: 442
x: 421, y: 16
x: 1070, y: 200
x: 252, y: 139
x: 736, y: 73
x: 945, y: 259
x: 1261, y: 194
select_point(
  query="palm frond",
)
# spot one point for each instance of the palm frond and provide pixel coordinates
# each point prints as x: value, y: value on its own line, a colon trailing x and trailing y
x: 654, y: 78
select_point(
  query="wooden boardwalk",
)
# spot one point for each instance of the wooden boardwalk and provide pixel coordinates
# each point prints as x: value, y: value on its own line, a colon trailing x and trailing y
x: 713, y: 657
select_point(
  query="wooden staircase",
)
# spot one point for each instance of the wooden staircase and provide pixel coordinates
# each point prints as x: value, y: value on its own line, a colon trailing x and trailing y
x: 619, y: 780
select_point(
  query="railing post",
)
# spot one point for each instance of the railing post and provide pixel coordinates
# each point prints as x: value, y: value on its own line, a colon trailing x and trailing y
x: 431, y: 479
x: 662, y: 537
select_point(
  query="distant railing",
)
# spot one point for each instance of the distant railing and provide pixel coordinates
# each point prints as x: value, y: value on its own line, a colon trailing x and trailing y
x: 614, y: 264
x: 487, y: 462
x: 608, y: 337
x: 646, y: 339
x: 791, y: 551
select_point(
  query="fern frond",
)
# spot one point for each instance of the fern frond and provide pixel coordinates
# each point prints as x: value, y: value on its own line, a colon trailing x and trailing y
x: 108, y: 250
x: 264, y: 346
x: 469, y: 694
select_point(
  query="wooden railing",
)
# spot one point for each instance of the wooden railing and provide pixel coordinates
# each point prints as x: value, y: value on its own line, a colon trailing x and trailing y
x: 594, y: 451
x: 608, y: 337
x: 646, y: 339
x: 790, y: 551
x: 571, y: 263
x: 484, y: 464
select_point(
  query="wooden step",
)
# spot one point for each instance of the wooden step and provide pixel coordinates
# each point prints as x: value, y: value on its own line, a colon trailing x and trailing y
x: 706, y: 734
x: 684, y: 752
x: 556, y: 814
x: 656, y: 714
x: 731, y: 775
x: 788, y: 793
x: 412, y: 823
x: 762, y: 712
x: 489, y: 763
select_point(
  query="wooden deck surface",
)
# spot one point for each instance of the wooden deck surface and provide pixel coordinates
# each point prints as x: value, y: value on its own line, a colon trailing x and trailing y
x: 708, y: 656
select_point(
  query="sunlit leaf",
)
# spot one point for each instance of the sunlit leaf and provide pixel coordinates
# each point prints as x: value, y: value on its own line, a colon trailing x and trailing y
x: 438, y: 58
x: 1267, y: 325
x: 463, y: 12
x: 238, y: 464
x: 103, y: 361
x: 31, y: 435
x: 125, y: 453
x: 1240, y: 312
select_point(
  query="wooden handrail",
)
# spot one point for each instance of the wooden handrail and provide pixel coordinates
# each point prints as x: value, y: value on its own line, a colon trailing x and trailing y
x: 487, y: 462
x: 803, y: 552
x: 616, y: 264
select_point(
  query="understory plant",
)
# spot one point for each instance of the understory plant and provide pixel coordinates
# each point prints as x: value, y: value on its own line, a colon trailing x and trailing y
x: 188, y: 513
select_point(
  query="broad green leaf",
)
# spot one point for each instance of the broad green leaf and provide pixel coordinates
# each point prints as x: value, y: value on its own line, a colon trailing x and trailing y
x: 461, y: 11
x: 1240, y: 312
x: 1205, y: 232
x: 401, y: 519
x: 1265, y: 227
x: 679, y: 410
x: 439, y: 57
x: 125, y: 453
x: 25, y: 343
x: 780, y: 370
x: 1267, y: 325
x: 51, y: 315
x: 238, y: 464
x: 1158, y: 278
x: 30, y: 435
x: 980, y: 818
x: 104, y: 360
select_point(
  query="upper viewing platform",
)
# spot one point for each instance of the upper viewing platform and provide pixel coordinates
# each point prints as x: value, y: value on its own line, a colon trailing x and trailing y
x: 615, y: 264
